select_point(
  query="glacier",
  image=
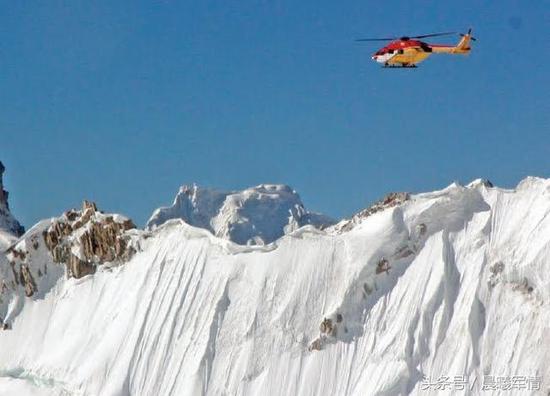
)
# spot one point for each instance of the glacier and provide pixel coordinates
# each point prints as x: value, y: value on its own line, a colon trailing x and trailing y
x: 448, y: 283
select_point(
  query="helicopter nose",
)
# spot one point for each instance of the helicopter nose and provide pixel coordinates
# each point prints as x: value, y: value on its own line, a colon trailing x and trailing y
x: 374, y: 57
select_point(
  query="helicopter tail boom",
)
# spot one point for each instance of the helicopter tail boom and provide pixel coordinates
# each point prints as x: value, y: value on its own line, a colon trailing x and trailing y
x: 463, y: 46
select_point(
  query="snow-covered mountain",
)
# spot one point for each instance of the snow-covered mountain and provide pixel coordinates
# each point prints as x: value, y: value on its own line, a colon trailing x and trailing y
x: 420, y: 292
x: 255, y: 216
x: 9, y: 226
x: 8, y: 223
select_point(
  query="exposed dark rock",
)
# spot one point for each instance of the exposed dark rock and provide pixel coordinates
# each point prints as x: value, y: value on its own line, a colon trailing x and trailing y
x: 27, y: 280
x: 102, y: 240
x: 79, y: 239
x: 383, y: 266
x: 89, y: 205
x: 327, y: 327
x: 77, y: 268
x: 497, y: 268
x: 422, y: 229
x: 21, y: 273
x: 522, y: 286
x: 7, y: 221
x: 389, y: 201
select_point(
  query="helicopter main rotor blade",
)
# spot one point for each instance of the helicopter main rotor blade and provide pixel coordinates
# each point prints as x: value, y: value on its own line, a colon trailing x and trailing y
x: 408, y: 37
x: 377, y: 39
x: 434, y: 35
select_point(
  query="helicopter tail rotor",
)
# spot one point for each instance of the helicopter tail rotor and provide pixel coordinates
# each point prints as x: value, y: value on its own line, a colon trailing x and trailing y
x: 468, y: 34
x: 463, y: 46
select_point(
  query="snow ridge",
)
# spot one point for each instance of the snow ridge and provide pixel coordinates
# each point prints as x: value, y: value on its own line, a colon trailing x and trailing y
x: 448, y: 283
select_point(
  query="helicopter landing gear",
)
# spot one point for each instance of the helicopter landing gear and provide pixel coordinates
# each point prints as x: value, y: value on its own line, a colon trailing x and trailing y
x: 401, y: 66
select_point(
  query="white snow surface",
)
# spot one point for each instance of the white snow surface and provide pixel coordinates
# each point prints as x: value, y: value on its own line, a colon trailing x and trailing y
x: 254, y: 216
x: 6, y: 240
x: 192, y: 314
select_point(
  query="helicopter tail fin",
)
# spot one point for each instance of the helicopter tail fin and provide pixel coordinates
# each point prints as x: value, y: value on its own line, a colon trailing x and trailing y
x: 463, y: 46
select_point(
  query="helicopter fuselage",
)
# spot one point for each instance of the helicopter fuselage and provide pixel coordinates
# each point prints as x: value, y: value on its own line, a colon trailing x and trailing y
x: 407, y: 52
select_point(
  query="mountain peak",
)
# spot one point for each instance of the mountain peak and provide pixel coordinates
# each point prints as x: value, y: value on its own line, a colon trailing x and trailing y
x: 8, y: 223
x: 253, y: 216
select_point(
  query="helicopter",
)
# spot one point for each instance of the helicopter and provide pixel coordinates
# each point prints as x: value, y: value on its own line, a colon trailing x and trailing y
x: 408, y: 51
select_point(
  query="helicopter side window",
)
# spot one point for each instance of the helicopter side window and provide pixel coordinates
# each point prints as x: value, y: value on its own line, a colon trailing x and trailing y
x: 390, y: 51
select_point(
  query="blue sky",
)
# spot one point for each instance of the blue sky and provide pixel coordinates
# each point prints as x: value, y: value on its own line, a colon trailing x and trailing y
x: 122, y: 102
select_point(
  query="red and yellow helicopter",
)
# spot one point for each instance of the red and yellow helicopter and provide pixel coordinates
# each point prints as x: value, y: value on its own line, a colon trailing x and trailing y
x: 409, y: 51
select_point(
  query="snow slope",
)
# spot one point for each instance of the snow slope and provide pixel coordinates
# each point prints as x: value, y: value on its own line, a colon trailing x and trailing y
x: 453, y: 282
x: 255, y: 216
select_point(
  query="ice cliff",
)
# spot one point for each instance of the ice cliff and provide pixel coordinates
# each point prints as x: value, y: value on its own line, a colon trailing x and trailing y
x: 419, y: 286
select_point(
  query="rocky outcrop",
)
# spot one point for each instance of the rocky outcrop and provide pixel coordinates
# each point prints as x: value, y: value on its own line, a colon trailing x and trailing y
x: 19, y: 258
x: 7, y: 221
x: 74, y: 244
x: 328, y: 331
x: 383, y: 266
x: 389, y: 201
x: 84, y: 239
